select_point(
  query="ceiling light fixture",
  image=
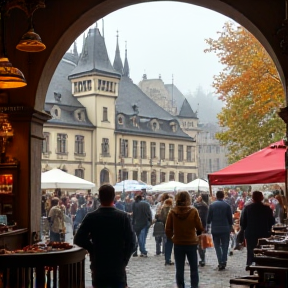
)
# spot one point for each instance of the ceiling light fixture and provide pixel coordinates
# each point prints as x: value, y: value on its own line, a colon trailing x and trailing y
x: 30, y: 41
x: 10, y: 77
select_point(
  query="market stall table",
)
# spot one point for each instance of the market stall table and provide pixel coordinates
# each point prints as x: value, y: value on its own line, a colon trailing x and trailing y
x: 62, y: 268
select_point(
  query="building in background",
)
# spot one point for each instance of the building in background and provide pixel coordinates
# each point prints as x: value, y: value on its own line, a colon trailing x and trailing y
x: 104, y: 128
x: 212, y: 156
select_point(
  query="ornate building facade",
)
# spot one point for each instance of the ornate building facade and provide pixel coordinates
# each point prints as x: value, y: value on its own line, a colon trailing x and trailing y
x: 104, y: 128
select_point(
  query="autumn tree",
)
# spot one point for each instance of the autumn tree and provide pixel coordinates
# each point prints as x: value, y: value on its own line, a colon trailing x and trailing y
x: 250, y: 87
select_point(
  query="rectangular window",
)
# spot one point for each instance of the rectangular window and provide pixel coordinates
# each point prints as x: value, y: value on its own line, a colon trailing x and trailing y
x: 135, y: 149
x: 153, y: 178
x: 210, y: 165
x: 153, y: 150
x: 62, y: 143
x: 162, y: 177
x: 144, y: 176
x: 171, y: 152
x: 181, y: 177
x: 217, y: 164
x: 189, y: 177
x: 143, y: 149
x: 123, y: 175
x: 162, y: 151
x: 45, y: 143
x: 105, y: 146
x: 171, y: 176
x: 79, y: 173
x: 79, y: 144
x: 135, y: 175
x: 124, y: 148
x: 180, y: 153
x: 105, y: 114
x: 191, y: 153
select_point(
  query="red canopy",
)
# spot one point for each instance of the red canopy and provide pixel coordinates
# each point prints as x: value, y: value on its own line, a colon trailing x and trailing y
x: 264, y: 166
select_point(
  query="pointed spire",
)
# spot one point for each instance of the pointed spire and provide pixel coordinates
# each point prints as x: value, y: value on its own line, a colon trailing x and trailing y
x: 118, y: 65
x: 75, y: 52
x: 126, y: 70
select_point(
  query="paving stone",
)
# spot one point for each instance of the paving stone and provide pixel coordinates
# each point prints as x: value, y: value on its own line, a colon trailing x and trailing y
x: 151, y: 272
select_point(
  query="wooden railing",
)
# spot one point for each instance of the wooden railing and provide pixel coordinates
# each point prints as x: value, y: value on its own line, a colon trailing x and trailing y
x: 57, y: 269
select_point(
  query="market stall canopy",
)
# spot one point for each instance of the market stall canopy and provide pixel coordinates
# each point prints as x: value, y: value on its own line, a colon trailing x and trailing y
x: 131, y: 185
x: 264, y: 166
x: 170, y: 186
x: 56, y: 178
x: 196, y: 185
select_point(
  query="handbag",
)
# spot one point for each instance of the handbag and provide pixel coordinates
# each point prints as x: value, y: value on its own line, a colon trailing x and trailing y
x: 206, y: 241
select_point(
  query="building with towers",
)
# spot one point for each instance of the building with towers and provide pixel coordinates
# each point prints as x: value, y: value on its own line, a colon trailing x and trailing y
x: 105, y: 128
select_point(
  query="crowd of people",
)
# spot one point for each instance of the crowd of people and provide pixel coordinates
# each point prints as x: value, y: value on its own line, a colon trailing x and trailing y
x: 233, y: 219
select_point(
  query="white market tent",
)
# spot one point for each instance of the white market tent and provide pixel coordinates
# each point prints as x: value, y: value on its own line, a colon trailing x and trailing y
x: 196, y: 185
x: 131, y: 185
x: 170, y: 186
x: 56, y: 178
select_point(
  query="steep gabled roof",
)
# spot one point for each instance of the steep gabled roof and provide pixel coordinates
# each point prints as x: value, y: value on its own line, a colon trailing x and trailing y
x: 94, y: 57
x: 61, y: 85
x: 126, y: 69
x: 60, y: 93
x: 178, y: 97
x: 186, y: 111
x: 133, y: 101
x: 117, y: 64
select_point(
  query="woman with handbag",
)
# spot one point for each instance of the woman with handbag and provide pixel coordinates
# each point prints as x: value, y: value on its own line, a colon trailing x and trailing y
x: 182, y: 226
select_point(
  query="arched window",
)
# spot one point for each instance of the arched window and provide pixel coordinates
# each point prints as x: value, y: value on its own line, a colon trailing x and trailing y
x: 104, y: 176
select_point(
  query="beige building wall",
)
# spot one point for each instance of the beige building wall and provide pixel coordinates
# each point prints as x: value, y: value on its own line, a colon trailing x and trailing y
x: 148, y: 164
x: 155, y: 89
x: 70, y: 160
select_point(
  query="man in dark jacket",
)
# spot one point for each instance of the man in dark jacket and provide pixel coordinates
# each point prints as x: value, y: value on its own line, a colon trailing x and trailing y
x: 108, y: 236
x: 202, y: 208
x: 142, y: 218
x: 256, y: 221
x: 220, y: 218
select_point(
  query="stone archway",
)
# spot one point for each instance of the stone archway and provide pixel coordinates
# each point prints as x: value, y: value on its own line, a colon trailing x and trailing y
x: 58, y: 25
x: 243, y: 13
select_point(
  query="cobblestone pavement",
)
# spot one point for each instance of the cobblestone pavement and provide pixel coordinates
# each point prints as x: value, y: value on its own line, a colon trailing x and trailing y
x: 151, y: 272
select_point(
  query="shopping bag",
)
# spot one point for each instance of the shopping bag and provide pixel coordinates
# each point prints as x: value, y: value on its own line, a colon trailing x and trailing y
x: 206, y: 241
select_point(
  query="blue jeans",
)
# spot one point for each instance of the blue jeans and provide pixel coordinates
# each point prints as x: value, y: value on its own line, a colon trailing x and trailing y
x: 160, y: 240
x: 180, y: 253
x: 168, y: 249
x: 142, y: 240
x: 221, y: 244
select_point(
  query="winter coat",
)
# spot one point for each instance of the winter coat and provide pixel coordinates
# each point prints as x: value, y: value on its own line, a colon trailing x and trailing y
x: 165, y: 210
x: 182, y: 225
x: 202, y: 208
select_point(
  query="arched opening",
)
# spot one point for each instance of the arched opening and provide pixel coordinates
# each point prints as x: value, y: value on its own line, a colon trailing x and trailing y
x: 95, y: 12
x: 104, y: 176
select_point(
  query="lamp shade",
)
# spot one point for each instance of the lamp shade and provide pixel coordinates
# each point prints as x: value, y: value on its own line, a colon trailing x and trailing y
x: 10, y: 77
x: 31, y: 42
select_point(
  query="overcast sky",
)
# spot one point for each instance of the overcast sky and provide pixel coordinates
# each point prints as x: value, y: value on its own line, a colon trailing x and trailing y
x: 165, y: 38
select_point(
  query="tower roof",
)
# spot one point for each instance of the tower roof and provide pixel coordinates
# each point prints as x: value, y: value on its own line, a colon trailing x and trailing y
x: 94, y: 57
x: 186, y: 111
x: 126, y: 70
x: 117, y: 65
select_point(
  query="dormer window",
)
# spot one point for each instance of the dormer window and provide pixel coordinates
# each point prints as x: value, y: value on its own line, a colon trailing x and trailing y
x: 120, y: 120
x: 174, y: 126
x: 154, y: 125
x: 79, y: 115
x: 56, y: 112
